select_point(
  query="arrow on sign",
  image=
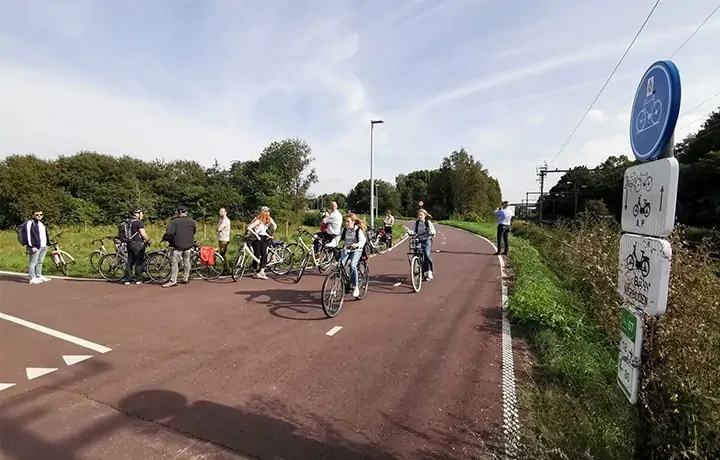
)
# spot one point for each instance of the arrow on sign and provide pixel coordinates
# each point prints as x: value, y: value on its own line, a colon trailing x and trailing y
x: 626, y: 194
x: 662, y: 191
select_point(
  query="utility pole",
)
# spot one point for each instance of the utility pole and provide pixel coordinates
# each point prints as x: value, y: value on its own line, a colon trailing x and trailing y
x: 542, y: 172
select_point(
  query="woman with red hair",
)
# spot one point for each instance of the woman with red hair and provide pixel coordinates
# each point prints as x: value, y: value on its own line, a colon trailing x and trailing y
x: 261, y: 228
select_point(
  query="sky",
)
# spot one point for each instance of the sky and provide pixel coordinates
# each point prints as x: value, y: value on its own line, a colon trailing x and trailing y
x: 219, y: 80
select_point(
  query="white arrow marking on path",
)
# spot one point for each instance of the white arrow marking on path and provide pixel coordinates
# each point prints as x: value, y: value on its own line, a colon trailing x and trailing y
x: 5, y: 386
x: 74, y: 359
x: 397, y: 284
x: 35, y: 372
x: 333, y: 331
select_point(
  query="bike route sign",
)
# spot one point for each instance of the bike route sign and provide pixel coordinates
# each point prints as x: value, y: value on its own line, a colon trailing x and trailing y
x: 631, y: 338
x: 655, y: 110
x: 650, y: 197
x: 644, y: 274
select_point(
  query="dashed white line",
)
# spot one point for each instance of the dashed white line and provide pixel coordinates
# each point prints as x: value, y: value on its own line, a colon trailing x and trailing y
x: 333, y: 331
x: 397, y: 284
x: 56, y: 334
x: 35, y: 372
x: 74, y: 359
x: 5, y: 386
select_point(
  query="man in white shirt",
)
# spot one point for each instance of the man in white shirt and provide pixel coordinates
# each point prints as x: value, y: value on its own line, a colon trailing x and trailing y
x: 223, y: 236
x: 36, y: 239
x: 334, y: 222
x: 504, y: 216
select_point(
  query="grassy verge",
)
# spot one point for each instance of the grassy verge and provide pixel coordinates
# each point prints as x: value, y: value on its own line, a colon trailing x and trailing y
x: 77, y: 242
x: 571, y: 404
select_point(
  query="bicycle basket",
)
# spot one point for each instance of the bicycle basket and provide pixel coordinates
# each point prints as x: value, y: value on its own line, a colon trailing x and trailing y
x: 415, y: 244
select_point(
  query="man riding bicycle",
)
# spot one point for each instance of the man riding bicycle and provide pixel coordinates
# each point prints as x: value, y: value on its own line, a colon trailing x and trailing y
x: 334, y: 222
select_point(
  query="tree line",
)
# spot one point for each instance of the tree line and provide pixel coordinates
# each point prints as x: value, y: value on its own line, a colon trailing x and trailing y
x: 91, y: 188
x: 600, y: 191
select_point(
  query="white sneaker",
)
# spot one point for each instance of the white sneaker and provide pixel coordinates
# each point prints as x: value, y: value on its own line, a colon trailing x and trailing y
x: 35, y: 281
x: 356, y: 292
x: 429, y: 275
x: 45, y: 279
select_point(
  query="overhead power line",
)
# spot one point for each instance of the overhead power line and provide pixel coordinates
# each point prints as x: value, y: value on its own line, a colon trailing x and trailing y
x: 612, y: 74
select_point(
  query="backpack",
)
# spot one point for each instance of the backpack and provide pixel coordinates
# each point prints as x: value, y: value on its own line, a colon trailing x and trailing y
x: 366, y: 248
x: 124, y: 229
x: 20, y: 230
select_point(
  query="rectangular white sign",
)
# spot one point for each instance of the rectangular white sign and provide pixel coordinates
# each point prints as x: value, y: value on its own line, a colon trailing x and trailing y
x: 650, y: 197
x: 644, y: 274
x: 629, y: 361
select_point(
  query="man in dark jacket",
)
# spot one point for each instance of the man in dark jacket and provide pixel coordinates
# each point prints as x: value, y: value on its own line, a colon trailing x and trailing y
x: 136, y: 248
x: 36, y: 239
x: 180, y: 234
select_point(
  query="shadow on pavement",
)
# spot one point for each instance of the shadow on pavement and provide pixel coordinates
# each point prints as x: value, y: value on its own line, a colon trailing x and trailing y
x: 492, y: 323
x: 15, y: 278
x: 464, y: 253
x: 288, y: 304
x: 383, y: 284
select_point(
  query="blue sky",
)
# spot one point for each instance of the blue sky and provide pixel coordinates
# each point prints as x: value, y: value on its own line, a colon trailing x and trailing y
x: 204, y: 80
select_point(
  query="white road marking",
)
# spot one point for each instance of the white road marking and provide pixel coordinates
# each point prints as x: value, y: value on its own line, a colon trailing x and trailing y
x: 437, y: 250
x: 443, y: 242
x: 333, y: 331
x: 397, y: 284
x: 56, y: 334
x: 35, y: 372
x: 74, y: 359
x: 5, y: 386
x: 25, y: 275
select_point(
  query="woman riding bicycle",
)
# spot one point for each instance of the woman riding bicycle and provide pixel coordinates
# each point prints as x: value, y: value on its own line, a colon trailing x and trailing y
x: 424, y: 231
x: 262, y: 227
x: 354, y: 239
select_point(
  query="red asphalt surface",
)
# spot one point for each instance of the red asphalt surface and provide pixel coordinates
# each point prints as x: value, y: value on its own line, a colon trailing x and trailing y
x: 224, y: 370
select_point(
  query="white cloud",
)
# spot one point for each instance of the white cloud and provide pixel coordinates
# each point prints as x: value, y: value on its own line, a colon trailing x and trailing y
x: 221, y: 80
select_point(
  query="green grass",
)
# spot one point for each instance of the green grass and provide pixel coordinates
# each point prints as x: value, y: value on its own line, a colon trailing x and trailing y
x: 570, y: 402
x: 77, y: 242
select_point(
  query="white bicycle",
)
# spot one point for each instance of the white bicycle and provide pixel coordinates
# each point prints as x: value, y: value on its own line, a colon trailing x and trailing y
x: 279, y: 260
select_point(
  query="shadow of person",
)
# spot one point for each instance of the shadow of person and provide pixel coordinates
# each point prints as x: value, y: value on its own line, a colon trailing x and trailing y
x: 288, y: 303
x: 270, y: 431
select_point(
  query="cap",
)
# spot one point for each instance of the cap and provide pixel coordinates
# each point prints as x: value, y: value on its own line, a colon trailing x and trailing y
x: 137, y: 211
x: 264, y: 209
x: 182, y: 209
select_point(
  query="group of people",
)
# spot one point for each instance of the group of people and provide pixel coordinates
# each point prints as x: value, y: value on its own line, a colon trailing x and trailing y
x: 180, y: 234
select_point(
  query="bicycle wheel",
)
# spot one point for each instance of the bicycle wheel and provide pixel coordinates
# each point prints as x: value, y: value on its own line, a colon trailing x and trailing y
x: 157, y: 267
x: 333, y: 294
x: 326, y: 260
x: 95, y: 257
x: 238, y: 269
x: 112, y: 267
x: 208, y: 272
x: 363, y: 279
x: 303, y: 266
x: 282, y: 261
x: 416, y: 273
x: 65, y: 260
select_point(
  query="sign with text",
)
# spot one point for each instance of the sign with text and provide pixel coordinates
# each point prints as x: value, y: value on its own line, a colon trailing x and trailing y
x: 650, y: 197
x: 644, y: 274
x: 631, y: 337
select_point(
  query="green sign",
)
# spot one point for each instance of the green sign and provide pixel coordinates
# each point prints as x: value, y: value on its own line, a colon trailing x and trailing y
x: 628, y: 324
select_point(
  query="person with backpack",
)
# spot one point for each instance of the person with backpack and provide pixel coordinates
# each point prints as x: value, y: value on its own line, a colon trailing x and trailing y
x: 33, y: 234
x: 132, y: 233
x: 180, y: 233
x: 425, y: 231
x: 354, y: 240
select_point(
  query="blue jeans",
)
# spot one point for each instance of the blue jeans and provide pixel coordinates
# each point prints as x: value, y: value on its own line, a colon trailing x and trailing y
x: 353, y: 265
x: 426, y: 246
x: 36, y: 262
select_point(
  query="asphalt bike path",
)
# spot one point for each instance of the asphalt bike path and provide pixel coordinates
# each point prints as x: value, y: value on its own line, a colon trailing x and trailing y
x: 249, y: 366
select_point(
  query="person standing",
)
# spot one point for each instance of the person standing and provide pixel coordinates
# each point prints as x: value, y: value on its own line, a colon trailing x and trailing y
x: 36, y: 239
x: 504, y: 216
x: 180, y: 234
x: 138, y: 238
x: 389, y: 221
x: 223, y: 236
x: 261, y: 227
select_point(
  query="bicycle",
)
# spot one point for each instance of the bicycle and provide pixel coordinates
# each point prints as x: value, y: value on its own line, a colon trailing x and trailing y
x: 323, y: 262
x: 338, y: 281
x: 378, y: 240
x: 416, y: 258
x: 206, y: 271
x: 279, y: 252
x: 61, y: 258
x: 97, y: 254
x: 156, y: 265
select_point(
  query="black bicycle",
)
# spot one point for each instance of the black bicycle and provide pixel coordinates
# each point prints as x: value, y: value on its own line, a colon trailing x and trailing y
x: 416, y: 257
x: 337, y: 284
x: 323, y: 260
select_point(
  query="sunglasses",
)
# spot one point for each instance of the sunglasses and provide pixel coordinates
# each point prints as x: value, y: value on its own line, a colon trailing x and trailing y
x: 38, y: 215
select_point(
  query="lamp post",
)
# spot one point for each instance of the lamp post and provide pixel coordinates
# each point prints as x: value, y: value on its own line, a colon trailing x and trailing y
x: 372, y: 178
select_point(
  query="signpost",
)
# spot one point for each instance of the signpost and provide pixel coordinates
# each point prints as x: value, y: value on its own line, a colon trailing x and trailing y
x: 648, y: 215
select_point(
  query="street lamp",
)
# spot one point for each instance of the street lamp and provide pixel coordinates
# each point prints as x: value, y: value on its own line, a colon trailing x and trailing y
x: 372, y: 178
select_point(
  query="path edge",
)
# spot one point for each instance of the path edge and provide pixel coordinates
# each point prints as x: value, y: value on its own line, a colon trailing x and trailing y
x: 511, y: 419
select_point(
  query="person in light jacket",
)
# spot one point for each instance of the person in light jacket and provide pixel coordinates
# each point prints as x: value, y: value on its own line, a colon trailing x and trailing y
x: 36, y: 239
x: 504, y: 217
x: 354, y: 238
x: 425, y: 231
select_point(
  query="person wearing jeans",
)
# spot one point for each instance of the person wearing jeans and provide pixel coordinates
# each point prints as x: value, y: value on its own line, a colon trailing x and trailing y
x: 424, y: 231
x: 36, y: 239
x: 504, y: 216
x: 181, y: 235
x: 354, y: 239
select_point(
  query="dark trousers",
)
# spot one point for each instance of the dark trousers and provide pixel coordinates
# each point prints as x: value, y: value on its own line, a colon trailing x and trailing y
x: 502, y: 237
x: 322, y: 239
x: 260, y: 248
x: 136, y: 257
x: 223, y: 246
x: 388, y: 236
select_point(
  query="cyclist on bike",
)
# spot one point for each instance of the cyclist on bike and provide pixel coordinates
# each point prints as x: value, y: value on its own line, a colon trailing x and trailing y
x: 424, y: 231
x: 263, y: 226
x: 334, y: 222
x: 354, y: 239
x: 388, y: 224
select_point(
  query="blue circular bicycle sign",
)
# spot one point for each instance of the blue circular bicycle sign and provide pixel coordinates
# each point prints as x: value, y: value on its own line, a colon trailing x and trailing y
x: 655, y: 110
